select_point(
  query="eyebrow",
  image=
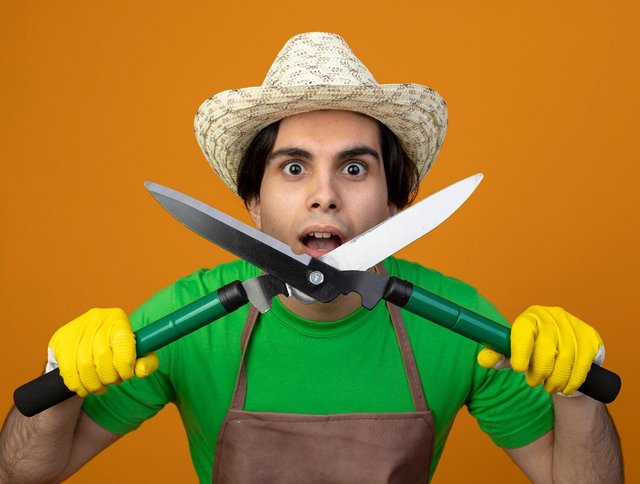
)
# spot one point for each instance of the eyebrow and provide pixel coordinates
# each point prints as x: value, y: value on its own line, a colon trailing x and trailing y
x: 292, y: 152
x: 342, y: 155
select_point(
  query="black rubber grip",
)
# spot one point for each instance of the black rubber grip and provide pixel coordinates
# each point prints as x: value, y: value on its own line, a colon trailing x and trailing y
x: 398, y: 292
x: 601, y: 384
x: 232, y: 296
x: 41, y: 393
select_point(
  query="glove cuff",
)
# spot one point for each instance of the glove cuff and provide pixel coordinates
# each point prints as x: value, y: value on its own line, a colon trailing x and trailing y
x: 599, y: 358
x: 52, y: 363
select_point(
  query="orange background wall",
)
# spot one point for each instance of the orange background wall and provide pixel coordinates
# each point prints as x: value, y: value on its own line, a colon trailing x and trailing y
x: 95, y: 98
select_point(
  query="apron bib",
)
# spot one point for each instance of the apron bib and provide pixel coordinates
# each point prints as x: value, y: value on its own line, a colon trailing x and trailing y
x: 284, y: 448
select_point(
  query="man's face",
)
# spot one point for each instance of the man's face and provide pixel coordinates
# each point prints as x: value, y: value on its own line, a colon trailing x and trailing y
x: 324, y: 182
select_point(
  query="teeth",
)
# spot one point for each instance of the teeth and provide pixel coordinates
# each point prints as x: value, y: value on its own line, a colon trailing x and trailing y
x: 319, y: 235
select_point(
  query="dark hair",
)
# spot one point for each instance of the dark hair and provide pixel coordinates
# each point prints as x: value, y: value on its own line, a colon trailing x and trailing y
x: 400, y: 171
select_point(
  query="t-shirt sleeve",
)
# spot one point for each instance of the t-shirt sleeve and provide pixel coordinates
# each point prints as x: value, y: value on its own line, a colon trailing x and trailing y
x: 511, y: 412
x: 123, y: 408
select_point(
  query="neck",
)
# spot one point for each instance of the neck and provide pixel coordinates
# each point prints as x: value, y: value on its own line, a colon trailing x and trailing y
x: 339, y: 308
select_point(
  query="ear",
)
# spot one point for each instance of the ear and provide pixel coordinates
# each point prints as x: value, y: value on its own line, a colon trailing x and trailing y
x: 253, y: 206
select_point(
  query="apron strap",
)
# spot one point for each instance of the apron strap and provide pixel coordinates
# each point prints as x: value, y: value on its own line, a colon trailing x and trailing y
x: 415, y: 383
x: 408, y: 359
x: 240, y: 393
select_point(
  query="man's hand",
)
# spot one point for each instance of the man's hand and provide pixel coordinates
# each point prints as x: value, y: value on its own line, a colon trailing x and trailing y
x: 552, y: 347
x: 98, y: 349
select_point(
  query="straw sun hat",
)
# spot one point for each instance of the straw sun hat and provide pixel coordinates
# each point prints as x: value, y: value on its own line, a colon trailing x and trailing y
x: 315, y: 71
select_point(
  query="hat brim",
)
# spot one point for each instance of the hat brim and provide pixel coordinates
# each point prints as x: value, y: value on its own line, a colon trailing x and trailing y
x: 226, y: 123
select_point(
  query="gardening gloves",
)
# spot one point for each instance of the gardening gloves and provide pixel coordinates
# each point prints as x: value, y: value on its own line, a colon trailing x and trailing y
x: 551, y: 347
x: 97, y: 349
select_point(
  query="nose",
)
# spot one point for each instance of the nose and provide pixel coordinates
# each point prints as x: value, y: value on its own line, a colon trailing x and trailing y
x: 324, y: 193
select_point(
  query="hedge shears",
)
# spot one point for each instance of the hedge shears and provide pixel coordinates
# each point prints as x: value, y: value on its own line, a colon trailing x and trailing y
x: 341, y: 271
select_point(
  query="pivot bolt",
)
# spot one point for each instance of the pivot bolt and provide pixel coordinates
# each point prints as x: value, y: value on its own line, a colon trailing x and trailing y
x: 316, y: 278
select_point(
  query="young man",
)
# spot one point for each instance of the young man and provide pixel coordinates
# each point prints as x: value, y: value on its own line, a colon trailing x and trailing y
x: 322, y: 392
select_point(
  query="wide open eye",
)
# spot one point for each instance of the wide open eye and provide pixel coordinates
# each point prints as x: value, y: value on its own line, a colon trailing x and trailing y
x: 293, y: 168
x: 354, y: 169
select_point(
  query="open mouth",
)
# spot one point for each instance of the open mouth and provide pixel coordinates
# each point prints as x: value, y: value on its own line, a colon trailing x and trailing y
x: 321, y: 241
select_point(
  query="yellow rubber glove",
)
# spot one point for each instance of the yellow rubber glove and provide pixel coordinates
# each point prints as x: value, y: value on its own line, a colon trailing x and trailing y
x: 98, y: 349
x: 552, y: 347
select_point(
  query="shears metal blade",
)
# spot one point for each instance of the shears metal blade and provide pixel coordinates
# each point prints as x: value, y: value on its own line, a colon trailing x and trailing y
x: 395, y: 233
x: 303, y: 275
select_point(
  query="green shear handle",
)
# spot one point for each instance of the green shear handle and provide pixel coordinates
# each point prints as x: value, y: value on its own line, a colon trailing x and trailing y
x: 600, y: 384
x: 49, y: 389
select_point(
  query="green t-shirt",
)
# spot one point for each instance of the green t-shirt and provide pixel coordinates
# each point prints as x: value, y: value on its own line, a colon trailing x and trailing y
x: 296, y: 365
